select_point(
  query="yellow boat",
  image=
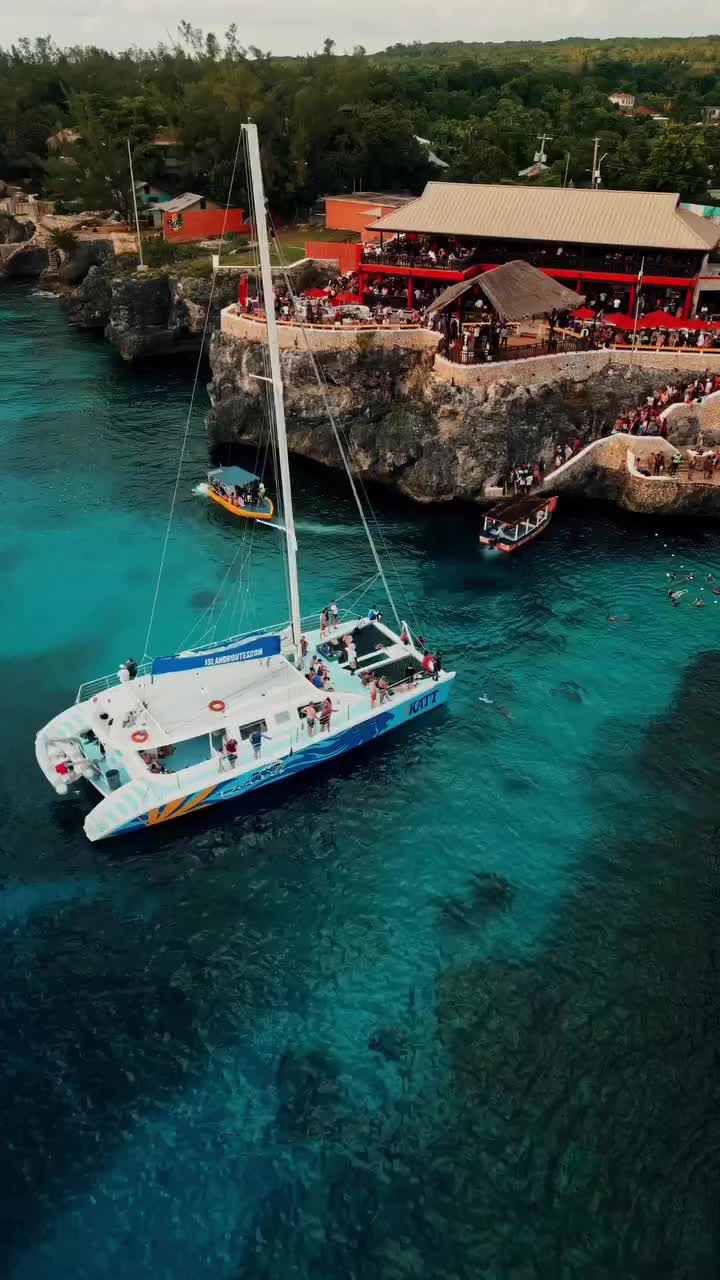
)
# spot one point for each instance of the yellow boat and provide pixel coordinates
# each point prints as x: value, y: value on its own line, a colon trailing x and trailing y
x: 226, y: 482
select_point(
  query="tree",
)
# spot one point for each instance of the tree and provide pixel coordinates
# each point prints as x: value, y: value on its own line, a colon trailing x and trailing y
x: 93, y: 171
x: 678, y: 161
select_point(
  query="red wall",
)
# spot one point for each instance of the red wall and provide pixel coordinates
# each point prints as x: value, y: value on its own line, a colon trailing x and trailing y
x: 352, y: 215
x: 347, y: 256
x: 203, y: 224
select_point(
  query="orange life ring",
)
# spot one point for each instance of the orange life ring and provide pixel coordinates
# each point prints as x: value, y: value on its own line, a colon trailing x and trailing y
x: 140, y: 735
x: 217, y: 704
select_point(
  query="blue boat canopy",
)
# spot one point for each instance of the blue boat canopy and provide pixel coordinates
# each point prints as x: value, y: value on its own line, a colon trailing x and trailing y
x: 232, y: 475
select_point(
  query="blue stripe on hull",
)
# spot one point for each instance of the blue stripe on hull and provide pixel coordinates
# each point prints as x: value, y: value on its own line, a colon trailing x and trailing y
x: 324, y: 748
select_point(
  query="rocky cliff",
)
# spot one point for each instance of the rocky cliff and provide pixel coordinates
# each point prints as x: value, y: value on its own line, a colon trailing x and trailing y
x: 407, y: 427
x: 153, y: 313
x: 161, y: 313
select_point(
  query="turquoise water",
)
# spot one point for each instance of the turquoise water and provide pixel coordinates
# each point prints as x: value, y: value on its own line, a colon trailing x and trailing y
x: 448, y: 1009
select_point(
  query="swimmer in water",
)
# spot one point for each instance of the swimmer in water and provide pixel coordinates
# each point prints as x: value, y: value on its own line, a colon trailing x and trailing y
x: 618, y: 617
x: 710, y: 577
x: 484, y: 698
x: 676, y: 595
x: 503, y: 711
x: 699, y: 604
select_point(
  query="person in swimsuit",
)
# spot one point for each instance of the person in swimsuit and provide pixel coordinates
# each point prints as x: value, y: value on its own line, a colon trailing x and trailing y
x: 325, y: 714
x: 310, y: 718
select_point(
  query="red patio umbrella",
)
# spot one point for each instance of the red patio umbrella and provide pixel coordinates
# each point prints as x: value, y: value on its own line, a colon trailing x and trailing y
x: 347, y: 299
x: 315, y: 293
x: 620, y: 322
x: 583, y: 313
x: 661, y: 320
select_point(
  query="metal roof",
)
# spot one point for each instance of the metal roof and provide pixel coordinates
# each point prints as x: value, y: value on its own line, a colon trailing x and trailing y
x: 385, y: 198
x: 516, y: 291
x: 178, y: 203
x: 642, y: 219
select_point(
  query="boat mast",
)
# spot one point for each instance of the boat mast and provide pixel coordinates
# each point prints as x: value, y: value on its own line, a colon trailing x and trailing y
x: 258, y: 195
x: 134, y: 196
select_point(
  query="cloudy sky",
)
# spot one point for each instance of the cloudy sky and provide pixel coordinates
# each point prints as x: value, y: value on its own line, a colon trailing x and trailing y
x: 286, y: 26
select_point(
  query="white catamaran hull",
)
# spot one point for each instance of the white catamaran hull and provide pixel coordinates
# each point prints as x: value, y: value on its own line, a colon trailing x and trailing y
x: 320, y: 749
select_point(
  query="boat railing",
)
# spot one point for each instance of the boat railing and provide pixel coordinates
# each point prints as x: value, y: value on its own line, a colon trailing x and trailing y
x: 92, y: 687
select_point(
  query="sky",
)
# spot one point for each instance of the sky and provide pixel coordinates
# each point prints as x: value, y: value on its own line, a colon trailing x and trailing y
x: 294, y: 26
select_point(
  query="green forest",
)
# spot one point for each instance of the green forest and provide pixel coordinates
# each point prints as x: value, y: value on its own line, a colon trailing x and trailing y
x: 330, y: 122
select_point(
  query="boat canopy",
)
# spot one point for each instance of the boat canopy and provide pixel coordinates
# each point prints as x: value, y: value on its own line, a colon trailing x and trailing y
x: 518, y: 509
x: 233, y: 476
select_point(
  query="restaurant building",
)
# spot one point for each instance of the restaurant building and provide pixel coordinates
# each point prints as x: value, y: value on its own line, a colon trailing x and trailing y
x: 597, y: 243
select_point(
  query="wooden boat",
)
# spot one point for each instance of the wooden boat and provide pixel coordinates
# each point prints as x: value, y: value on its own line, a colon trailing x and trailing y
x: 510, y: 525
x: 227, y: 483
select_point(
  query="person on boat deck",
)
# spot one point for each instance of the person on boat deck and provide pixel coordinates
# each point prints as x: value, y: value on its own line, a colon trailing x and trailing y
x: 303, y: 648
x: 261, y: 492
x: 132, y: 668
x: 437, y: 665
x: 231, y: 750
x: 310, y: 718
x: 404, y: 638
x: 427, y: 662
x: 334, y: 614
x: 326, y: 711
x: 384, y: 688
x: 256, y: 738
x: 374, y: 615
x: 317, y: 680
x: 324, y: 623
x: 123, y: 673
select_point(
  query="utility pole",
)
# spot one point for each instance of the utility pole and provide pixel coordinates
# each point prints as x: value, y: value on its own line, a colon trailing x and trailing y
x: 597, y: 161
x: 541, y: 156
x: 595, y: 174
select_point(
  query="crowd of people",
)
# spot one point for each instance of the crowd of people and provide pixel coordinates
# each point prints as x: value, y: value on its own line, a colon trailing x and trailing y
x: 448, y: 254
x: 645, y: 419
x: 251, y: 495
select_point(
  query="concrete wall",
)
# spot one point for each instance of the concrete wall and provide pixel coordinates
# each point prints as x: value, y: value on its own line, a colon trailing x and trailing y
x: 576, y: 366
x: 292, y: 336
x: 706, y: 414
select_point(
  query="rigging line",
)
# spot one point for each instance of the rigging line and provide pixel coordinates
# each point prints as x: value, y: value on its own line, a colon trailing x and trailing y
x: 319, y: 374
x: 326, y: 403
x: 188, y: 420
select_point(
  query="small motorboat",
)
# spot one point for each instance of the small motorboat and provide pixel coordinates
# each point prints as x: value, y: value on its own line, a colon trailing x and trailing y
x: 240, y: 492
x: 510, y: 525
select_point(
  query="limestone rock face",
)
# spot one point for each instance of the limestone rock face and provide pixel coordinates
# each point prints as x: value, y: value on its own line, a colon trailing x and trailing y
x: 163, y: 314
x: 15, y: 230
x: 88, y: 306
x: 406, y: 427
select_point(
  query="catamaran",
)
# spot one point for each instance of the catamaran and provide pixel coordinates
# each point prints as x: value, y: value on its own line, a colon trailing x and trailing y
x: 218, y: 721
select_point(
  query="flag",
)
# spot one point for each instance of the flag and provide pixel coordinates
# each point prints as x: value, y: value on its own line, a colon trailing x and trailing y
x: 641, y: 273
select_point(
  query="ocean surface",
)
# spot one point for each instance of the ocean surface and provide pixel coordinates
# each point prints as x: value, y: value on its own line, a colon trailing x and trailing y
x: 449, y: 1009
